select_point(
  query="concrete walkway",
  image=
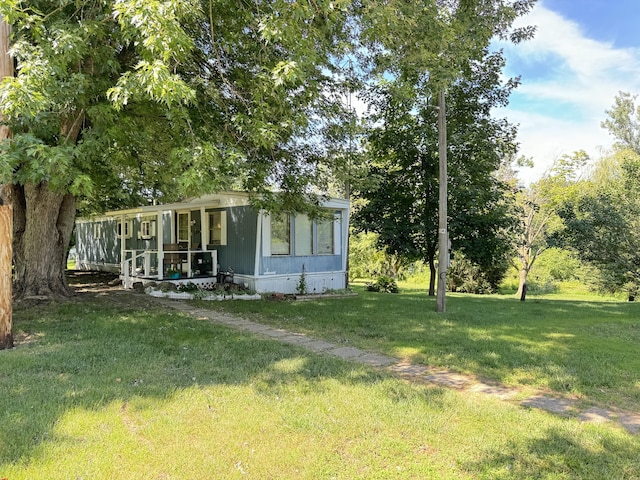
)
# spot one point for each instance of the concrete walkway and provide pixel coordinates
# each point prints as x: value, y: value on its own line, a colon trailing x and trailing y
x: 414, y: 373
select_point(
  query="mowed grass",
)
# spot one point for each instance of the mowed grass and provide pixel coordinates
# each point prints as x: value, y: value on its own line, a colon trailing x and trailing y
x: 94, y: 391
x: 581, y: 346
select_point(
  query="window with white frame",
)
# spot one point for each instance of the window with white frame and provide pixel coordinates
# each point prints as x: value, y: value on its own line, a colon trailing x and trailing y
x: 183, y: 227
x: 218, y: 228
x: 303, y: 232
x: 124, y: 229
x: 97, y: 230
x: 147, y: 229
x: 326, y: 236
x: 280, y: 235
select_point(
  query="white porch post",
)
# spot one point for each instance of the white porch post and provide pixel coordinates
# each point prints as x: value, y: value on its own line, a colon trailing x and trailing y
x: 259, y: 247
x: 123, y: 246
x: 160, y: 240
x: 147, y: 263
x: 204, y: 228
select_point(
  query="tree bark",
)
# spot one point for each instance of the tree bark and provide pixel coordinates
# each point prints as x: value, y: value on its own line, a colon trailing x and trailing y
x: 432, y: 276
x: 43, y: 220
x: 43, y: 223
x: 522, y: 285
x: 6, y: 307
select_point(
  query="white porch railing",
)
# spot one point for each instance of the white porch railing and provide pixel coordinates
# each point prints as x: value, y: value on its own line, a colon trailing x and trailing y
x: 194, y: 265
x: 129, y: 267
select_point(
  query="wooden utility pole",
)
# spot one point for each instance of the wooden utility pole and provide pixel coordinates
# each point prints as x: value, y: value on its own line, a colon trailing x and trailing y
x: 6, y: 214
x: 6, y: 66
x: 443, y: 234
x: 6, y: 311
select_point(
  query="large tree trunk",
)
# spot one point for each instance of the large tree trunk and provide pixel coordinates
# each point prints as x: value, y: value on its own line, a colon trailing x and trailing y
x: 43, y: 223
x: 43, y: 220
x: 522, y: 286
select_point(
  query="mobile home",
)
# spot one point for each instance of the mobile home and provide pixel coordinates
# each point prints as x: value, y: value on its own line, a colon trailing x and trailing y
x: 220, y: 235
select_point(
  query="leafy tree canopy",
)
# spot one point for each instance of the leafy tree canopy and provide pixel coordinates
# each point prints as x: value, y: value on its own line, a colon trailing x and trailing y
x: 601, y: 223
x: 116, y: 103
x: 121, y: 101
x: 402, y: 206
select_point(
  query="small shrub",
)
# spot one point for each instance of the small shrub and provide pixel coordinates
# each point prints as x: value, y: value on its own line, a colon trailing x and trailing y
x: 301, y: 288
x: 384, y: 284
x: 166, y: 287
x: 200, y: 294
x: 465, y: 276
x: 189, y: 287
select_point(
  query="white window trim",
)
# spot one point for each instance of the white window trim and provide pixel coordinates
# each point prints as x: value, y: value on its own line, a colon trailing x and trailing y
x: 223, y: 227
x: 128, y: 227
x: 298, y: 219
x: 266, y: 235
x: 337, y: 237
x: 337, y: 234
x: 147, y: 229
x: 334, y: 246
x: 188, y: 214
x: 269, y: 243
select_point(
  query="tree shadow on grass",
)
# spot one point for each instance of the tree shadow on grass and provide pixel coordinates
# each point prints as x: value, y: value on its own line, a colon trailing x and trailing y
x: 87, y: 355
x: 576, y: 347
x: 562, y: 453
x: 572, y: 347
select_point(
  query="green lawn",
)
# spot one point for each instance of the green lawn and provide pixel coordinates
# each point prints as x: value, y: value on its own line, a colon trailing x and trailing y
x: 583, y: 346
x: 95, y: 391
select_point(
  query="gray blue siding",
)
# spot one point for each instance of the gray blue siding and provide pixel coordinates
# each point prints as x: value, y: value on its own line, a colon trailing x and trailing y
x: 239, y: 253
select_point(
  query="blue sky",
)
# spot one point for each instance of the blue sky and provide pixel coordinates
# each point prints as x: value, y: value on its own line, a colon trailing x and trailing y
x: 583, y: 54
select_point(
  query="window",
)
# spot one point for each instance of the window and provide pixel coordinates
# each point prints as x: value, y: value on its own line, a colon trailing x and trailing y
x: 280, y: 235
x: 97, y: 230
x: 303, y: 235
x: 183, y: 227
x: 147, y: 229
x: 124, y: 229
x: 326, y: 245
x: 218, y: 228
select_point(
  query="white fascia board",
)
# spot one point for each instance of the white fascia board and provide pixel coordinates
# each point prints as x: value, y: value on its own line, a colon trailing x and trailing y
x: 220, y: 200
x: 337, y: 203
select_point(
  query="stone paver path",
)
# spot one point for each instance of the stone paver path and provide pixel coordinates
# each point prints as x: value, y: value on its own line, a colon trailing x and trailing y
x: 415, y: 373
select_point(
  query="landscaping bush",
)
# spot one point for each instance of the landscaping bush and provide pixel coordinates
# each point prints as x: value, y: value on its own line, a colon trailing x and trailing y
x: 383, y: 284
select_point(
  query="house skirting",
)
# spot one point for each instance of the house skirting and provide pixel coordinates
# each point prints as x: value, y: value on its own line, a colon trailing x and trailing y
x: 271, y: 283
x: 287, y: 284
x: 290, y: 283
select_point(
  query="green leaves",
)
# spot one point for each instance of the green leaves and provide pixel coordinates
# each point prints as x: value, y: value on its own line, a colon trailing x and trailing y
x: 27, y: 159
x: 285, y: 72
x: 623, y: 122
x: 151, y: 80
x: 73, y: 58
x: 154, y: 28
x: 436, y: 39
x: 601, y: 220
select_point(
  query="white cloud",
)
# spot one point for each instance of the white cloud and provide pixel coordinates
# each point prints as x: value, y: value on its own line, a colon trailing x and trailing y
x: 568, y: 81
x: 544, y: 139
